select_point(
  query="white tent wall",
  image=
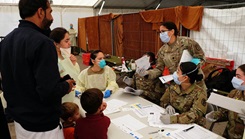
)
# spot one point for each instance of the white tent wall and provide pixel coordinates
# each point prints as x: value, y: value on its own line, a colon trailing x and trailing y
x: 63, y: 16
x: 222, y: 34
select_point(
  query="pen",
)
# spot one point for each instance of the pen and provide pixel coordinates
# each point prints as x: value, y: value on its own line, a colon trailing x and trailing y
x: 185, y: 130
x: 156, y: 131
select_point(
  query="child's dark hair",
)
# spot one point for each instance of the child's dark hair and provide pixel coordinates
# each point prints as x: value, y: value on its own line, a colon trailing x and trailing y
x: 93, y: 55
x: 191, y: 70
x: 91, y: 100
x: 68, y: 109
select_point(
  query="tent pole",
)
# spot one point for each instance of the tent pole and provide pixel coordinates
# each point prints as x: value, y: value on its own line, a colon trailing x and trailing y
x: 101, y: 7
x: 158, y: 4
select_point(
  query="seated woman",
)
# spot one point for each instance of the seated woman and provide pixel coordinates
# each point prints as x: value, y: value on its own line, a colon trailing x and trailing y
x: 185, y: 97
x: 66, y: 61
x: 152, y: 89
x: 97, y: 75
x: 235, y: 126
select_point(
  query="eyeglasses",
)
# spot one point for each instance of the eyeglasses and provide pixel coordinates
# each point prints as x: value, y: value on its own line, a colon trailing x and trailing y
x: 161, y: 31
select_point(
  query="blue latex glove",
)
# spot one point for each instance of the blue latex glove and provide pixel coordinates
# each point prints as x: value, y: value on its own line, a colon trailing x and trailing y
x: 196, y: 61
x: 107, y: 93
x: 77, y: 94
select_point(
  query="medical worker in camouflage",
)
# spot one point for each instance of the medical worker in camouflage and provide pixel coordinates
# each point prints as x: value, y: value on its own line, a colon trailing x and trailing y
x: 152, y: 89
x: 185, y: 97
x: 170, y: 53
x: 235, y: 126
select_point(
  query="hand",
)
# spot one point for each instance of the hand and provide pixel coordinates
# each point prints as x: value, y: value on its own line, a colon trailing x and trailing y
x: 210, y: 117
x: 127, y: 80
x: 196, y: 61
x: 242, y: 116
x: 143, y: 72
x: 170, y: 110
x: 71, y: 83
x: 165, y: 118
x: 107, y: 93
x: 73, y: 59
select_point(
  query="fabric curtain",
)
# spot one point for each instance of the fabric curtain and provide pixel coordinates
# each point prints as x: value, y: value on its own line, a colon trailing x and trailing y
x: 118, y: 35
x: 82, y: 43
x: 190, y: 17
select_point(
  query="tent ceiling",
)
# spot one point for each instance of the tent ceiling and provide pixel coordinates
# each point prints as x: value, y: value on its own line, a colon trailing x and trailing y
x: 152, y: 4
x: 138, y: 4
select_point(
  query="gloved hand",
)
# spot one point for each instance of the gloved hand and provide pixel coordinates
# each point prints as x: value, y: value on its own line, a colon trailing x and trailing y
x: 242, y: 116
x: 170, y: 110
x: 165, y: 118
x: 133, y: 91
x: 107, y: 93
x: 196, y: 61
x: 78, y: 94
x: 210, y: 116
x: 127, y: 80
x: 142, y: 72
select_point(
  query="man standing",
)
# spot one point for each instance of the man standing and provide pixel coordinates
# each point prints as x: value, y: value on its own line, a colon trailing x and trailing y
x: 30, y: 75
x: 73, y: 39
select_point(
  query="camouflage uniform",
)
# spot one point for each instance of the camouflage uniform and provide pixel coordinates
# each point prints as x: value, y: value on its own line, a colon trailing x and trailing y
x: 153, y: 89
x: 191, y: 104
x: 170, y: 55
x: 235, y: 126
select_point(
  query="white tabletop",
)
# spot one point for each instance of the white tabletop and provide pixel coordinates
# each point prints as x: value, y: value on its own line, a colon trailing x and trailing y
x: 114, y: 132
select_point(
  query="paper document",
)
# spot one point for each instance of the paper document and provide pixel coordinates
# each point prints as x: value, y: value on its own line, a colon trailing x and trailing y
x: 113, y: 106
x: 142, y: 63
x: 226, y: 102
x: 186, y: 56
x: 154, y: 121
x: 146, y: 110
x: 165, y: 79
x: 128, y: 123
x: 193, y: 132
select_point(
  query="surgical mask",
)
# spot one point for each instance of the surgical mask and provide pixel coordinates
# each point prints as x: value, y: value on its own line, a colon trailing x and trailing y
x: 164, y: 37
x: 66, y: 52
x: 176, y: 78
x: 102, y: 63
x: 237, y: 83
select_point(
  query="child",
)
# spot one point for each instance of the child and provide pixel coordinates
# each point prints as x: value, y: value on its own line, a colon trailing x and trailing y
x: 95, y: 124
x: 70, y: 113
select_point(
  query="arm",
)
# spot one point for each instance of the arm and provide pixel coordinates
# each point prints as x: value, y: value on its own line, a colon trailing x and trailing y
x: 111, y: 80
x: 165, y: 99
x: 196, y: 112
x: 196, y: 51
x: 46, y: 73
x: 82, y: 77
x: 156, y: 72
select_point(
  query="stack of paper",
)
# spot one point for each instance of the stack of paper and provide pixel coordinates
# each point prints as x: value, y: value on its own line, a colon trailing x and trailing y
x: 113, y: 106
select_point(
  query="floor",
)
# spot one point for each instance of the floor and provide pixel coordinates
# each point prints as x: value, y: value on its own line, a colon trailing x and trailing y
x: 218, y: 127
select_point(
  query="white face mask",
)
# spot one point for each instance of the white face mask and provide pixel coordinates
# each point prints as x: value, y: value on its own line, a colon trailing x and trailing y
x: 66, y: 52
x: 237, y: 83
x: 164, y: 37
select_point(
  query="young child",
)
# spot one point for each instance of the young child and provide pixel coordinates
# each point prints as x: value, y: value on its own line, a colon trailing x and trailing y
x: 95, y: 124
x: 70, y: 113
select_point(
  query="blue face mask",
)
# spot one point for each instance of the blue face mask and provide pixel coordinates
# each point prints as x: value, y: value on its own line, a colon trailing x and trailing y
x: 176, y: 78
x: 102, y: 63
x: 164, y: 37
x: 237, y: 83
